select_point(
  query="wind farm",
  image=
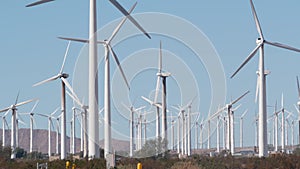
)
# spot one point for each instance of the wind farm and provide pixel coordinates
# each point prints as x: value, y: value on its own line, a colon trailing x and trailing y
x: 180, y: 86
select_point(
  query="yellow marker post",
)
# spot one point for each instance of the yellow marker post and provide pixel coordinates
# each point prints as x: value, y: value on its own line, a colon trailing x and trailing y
x: 67, y: 164
x: 139, y: 166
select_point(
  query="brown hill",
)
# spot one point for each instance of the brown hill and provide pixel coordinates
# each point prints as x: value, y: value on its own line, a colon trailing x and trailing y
x: 40, y: 141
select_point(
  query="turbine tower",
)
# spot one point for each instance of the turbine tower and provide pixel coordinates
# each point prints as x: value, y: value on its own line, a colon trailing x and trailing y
x: 63, y: 76
x: 241, y: 128
x: 263, y: 149
x: 4, y: 123
x: 13, y: 108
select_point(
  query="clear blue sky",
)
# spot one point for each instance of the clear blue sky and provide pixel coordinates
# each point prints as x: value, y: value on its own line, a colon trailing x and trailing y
x: 31, y: 52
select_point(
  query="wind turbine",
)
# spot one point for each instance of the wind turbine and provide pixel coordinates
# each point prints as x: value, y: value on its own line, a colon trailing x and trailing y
x: 109, y: 50
x: 131, y: 134
x: 84, y: 123
x: 4, y: 123
x: 157, y: 120
x: 31, y: 126
x: 163, y: 76
x: 18, y: 120
x: 230, y: 114
x: 62, y: 76
x: 263, y: 149
x: 241, y: 128
x: 13, y: 108
x: 50, y: 123
x: 282, y: 126
x: 298, y: 109
x: 93, y: 85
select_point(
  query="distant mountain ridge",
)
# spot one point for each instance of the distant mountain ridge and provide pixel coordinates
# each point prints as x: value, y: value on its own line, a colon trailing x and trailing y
x: 40, y: 141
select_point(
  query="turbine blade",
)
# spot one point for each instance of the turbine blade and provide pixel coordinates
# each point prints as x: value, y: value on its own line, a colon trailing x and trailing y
x: 74, y: 39
x: 4, y: 110
x: 298, y: 88
x: 147, y: 100
x: 157, y: 89
x: 258, y: 27
x: 54, y: 111
x: 297, y: 108
x: 79, y: 40
x: 65, y: 57
x: 52, y: 125
x: 247, y: 60
x: 25, y: 102
x: 121, y: 24
x: 217, y: 113
x: 22, y: 122
x: 42, y: 115
x: 245, y: 112
x: 38, y: 3
x: 160, y: 58
x: 282, y: 46
x: 121, y: 9
x: 6, y: 123
x: 237, y: 107
x: 119, y: 65
x: 140, y: 108
x: 6, y: 113
x: 128, y: 108
x: 240, y: 97
x: 16, y: 101
x: 282, y: 100
x: 69, y: 87
x: 75, y: 99
x: 34, y: 106
x: 47, y: 80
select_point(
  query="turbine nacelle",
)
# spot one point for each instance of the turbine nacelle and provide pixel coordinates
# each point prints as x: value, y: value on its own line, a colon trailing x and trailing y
x: 166, y: 74
x: 64, y: 75
x: 259, y: 41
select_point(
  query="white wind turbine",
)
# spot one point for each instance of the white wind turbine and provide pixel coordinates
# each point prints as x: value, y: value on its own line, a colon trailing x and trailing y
x: 13, y: 108
x: 62, y: 76
x: 131, y: 133
x: 32, y: 122
x: 50, y: 123
x: 263, y: 149
x: 230, y: 124
x: 57, y: 135
x: 241, y: 128
x: 84, y: 123
x: 93, y: 84
x: 298, y: 109
x: 109, y: 50
x: 4, y: 123
x: 157, y: 119
x: 282, y: 126
x: 18, y: 120
x: 163, y: 76
x: 196, y: 125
